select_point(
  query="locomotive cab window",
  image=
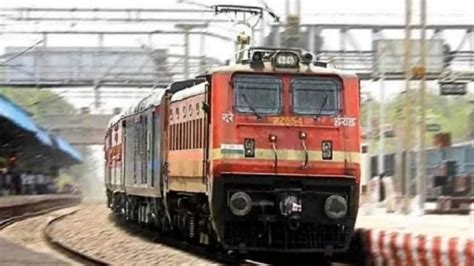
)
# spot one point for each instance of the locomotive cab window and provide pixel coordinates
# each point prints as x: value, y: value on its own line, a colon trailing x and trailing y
x: 315, y: 96
x: 257, y: 94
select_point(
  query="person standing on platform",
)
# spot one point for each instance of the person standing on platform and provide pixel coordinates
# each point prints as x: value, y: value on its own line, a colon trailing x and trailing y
x: 40, y: 178
x: 34, y: 184
x: 1, y: 182
x: 17, y: 183
x: 381, y: 187
x: 29, y: 183
x: 7, y: 182
x: 23, y: 178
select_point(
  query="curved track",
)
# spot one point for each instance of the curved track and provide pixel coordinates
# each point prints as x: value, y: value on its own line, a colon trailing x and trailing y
x: 213, y: 255
x: 19, y: 219
x: 21, y: 212
x: 68, y: 251
x: 105, y: 227
x: 216, y: 255
x: 11, y: 220
x: 68, y: 235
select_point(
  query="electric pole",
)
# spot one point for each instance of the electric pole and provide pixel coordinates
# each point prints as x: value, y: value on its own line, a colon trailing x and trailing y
x: 381, y: 164
x: 186, y: 31
x: 421, y: 159
x: 406, y: 108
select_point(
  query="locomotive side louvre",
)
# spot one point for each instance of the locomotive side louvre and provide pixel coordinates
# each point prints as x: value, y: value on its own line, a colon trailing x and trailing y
x: 142, y: 148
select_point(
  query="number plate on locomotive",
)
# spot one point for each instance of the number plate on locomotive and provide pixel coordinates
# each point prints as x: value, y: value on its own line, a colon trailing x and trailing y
x: 344, y: 122
x: 287, y: 121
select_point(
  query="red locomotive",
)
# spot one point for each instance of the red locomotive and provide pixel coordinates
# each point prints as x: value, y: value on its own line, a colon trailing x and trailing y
x: 262, y: 155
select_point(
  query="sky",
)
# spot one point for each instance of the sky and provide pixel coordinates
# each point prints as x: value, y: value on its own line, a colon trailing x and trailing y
x: 464, y: 7
x: 334, y: 11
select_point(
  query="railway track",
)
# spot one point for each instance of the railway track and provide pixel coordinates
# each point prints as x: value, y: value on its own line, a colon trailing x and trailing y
x: 199, y: 251
x: 64, y: 249
x: 63, y: 235
x: 29, y: 209
x: 16, y: 213
x: 56, y: 245
x: 16, y: 229
x: 87, y: 259
x: 269, y: 259
x: 88, y: 256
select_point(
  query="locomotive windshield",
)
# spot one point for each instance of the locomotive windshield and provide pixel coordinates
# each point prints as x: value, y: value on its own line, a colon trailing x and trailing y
x: 257, y: 94
x: 315, y: 96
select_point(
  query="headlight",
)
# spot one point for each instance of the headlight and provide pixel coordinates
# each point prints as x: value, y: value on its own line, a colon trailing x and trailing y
x: 335, y: 207
x: 249, y: 147
x: 286, y: 60
x: 326, y: 149
x: 240, y: 203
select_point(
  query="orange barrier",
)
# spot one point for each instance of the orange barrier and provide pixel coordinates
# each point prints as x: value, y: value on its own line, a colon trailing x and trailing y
x: 399, y: 249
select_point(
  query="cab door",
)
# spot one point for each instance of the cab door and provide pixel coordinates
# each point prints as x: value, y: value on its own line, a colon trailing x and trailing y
x: 206, y: 106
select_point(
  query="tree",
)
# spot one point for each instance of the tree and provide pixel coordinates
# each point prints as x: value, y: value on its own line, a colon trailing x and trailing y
x: 452, y: 113
x: 40, y: 103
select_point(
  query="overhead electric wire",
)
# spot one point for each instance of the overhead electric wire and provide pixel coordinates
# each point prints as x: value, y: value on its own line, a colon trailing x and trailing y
x: 21, y: 53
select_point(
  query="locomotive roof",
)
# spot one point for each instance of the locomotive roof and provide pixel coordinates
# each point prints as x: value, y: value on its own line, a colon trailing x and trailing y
x: 154, y: 99
x: 114, y: 120
x: 268, y: 68
x: 191, y: 91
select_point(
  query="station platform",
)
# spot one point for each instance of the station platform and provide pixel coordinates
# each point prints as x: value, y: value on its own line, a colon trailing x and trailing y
x: 12, y: 254
x: 397, y: 239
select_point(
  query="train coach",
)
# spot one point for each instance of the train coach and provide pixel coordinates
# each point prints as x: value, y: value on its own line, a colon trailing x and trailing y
x: 262, y: 155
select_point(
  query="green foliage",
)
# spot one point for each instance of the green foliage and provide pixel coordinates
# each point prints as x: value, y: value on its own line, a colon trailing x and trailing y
x: 450, y: 112
x: 38, y: 102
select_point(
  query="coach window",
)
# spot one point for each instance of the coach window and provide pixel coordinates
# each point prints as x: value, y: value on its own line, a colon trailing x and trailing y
x: 180, y: 136
x: 172, y: 136
x: 199, y: 130
x: 257, y: 94
x: 315, y: 96
x: 187, y: 135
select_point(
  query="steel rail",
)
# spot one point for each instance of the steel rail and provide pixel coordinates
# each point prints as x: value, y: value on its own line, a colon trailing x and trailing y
x: 13, y: 219
x: 65, y: 249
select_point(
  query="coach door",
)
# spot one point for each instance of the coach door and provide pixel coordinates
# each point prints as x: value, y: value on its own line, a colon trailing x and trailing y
x: 126, y: 163
x: 206, y: 106
x: 164, y: 141
x: 149, y: 147
x: 156, y: 151
x: 108, y: 164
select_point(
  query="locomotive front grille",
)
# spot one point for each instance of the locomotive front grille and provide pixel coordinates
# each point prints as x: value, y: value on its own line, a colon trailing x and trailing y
x: 278, y: 203
x: 279, y: 236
